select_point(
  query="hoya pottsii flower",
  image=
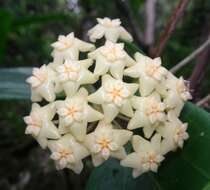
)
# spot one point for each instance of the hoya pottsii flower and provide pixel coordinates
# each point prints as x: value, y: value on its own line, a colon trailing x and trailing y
x: 68, y: 47
x: 111, y: 29
x: 114, y: 96
x: 72, y: 74
x: 111, y: 57
x: 74, y: 114
x: 42, y: 84
x: 174, y: 133
x: 107, y: 142
x: 149, y: 113
x: 68, y: 153
x: 150, y: 73
x: 177, y: 94
x: 39, y: 123
x: 147, y: 155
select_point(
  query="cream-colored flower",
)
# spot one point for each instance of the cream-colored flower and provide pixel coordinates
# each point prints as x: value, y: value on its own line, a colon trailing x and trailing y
x: 149, y: 113
x: 174, y: 133
x: 42, y: 84
x: 177, y: 94
x: 114, y: 96
x: 147, y: 155
x: 74, y: 114
x: 40, y: 125
x: 107, y: 142
x: 68, y: 153
x: 150, y: 74
x: 110, y: 29
x: 72, y: 74
x: 68, y: 47
x: 111, y: 57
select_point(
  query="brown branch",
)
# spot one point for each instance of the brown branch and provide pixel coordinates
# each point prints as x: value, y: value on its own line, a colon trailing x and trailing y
x: 199, y: 71
x: 170, y: 27
x: 203, y: 101
x: 150, y: 16
x: 189, y: 58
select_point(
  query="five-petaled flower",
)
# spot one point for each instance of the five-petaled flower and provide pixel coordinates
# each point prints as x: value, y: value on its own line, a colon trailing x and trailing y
x: 73, y: 74
x: 42, y: 84
x: 39, y: 123
x: 115, y: 97
x: 68, y: 47
x: 110, y: 29
x: 106, y: 141
x: 149, y: 113
x: 111, y: 57
x: 68, y: 153
x: 75, y: 113
x: 147, y: 155
x: 150, y: 73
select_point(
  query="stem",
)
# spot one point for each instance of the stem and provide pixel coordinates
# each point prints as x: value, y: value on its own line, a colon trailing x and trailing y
x: 150, y: 21
x: 170, y: 27
x: 191, y: 56
x: 203, y: 100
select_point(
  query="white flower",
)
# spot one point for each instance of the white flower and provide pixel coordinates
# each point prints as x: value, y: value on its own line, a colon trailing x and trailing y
x: 111, y: 57
x: 114, y: 96
x: 147, y: 155
x: 111, y: 29
x: 174, y: 133
x: 68, y: 47
x: 107, y: 142
x: 42, y: 84
x: 72, y: 74
x: 40, y: 125
x: 68, y: 153
x: 177, y: 94
x: 149, y: 113
x: 150, y: 73
x: 74, y: 114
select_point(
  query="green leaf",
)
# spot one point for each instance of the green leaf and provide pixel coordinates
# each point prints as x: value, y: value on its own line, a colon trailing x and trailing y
x: 12, y: 83
x: 186, y: 169
x: 6, y: 22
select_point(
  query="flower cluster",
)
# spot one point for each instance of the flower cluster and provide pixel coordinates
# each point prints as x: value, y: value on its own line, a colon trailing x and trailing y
x: 99, y: 110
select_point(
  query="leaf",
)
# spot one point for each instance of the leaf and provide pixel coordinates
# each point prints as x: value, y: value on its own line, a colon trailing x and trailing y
x: 6, y: 22
x: 12, y: 83
x: 185, y: 169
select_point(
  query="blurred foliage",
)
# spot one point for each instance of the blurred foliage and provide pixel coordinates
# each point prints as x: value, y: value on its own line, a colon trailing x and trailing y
x: 28, y: 27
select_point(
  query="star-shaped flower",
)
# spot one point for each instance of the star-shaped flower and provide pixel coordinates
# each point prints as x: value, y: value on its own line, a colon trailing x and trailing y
x: 150, y: 73
x: 74, y: 114
x: 40, y: 125
x: 174, y: 133
x: 149, y: 113
x: 68, y: 153
x: 114, y: 96
x: 147, y: 155
x: 72, y: 74
x: 42, y: 84
x: 111, y: 57
x: 107, y: 142
x: 177, y: 94
x: 68, y: 47
x: 111, y: 29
